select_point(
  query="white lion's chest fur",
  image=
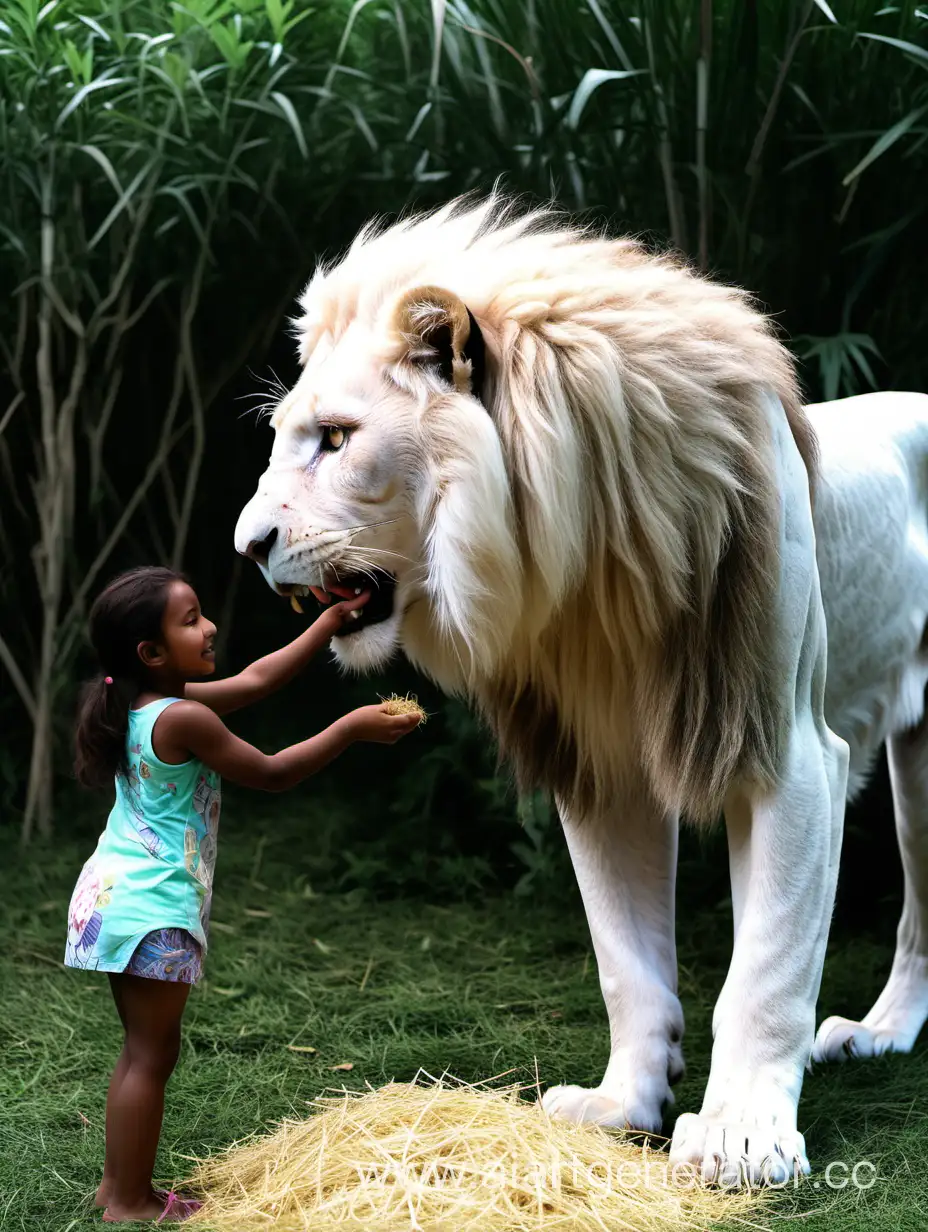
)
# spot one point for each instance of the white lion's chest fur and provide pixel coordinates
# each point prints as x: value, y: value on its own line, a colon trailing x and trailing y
x: 872, y: 548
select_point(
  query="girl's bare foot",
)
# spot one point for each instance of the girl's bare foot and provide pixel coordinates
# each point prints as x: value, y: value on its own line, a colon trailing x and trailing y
x: 102, y: 1196
x: 161, y: 1206
x: 151, y: 1207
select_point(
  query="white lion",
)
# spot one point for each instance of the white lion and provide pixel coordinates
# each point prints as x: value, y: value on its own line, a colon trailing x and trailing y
x: 578, y: 478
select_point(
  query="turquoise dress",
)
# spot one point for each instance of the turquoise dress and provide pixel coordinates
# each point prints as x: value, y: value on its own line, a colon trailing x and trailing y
x: 153, y: 865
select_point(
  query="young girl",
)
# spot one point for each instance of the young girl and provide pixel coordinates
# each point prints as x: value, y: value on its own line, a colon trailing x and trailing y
x: 140, y: 910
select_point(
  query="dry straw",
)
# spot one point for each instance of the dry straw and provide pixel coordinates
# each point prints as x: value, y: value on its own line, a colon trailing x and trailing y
x: 394, y: 704
x: 443, y: 1156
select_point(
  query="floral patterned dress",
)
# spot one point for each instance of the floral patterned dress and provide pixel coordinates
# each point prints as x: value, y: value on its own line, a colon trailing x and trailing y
x: 152, y: 870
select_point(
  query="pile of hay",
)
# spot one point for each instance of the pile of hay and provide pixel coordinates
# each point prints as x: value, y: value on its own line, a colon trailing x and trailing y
x: 443, y: 1156
x: 394, y: 704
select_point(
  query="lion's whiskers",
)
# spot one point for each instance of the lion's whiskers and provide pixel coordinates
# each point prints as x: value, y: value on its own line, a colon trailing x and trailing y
x: 363, y: 568
x: 385, y: 552
x: 370, y: 525
x: 274, y: 386
x: 263, y: 408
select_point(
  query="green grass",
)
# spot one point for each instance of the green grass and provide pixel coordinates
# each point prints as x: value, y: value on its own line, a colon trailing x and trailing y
x: 474, y: 988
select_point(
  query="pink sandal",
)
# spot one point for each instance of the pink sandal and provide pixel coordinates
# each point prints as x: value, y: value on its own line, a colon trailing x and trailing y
x: 177, y: 1208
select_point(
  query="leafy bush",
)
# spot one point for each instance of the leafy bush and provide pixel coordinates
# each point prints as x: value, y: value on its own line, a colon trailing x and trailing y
x: 137, y: 143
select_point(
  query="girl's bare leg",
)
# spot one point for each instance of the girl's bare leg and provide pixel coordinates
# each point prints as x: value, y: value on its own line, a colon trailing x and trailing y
x: 151, y: 1011
x: 122, y: 1064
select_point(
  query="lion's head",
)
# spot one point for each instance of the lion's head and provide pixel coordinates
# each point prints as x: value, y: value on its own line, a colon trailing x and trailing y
x: 381, y: 450
x: 548, y: 452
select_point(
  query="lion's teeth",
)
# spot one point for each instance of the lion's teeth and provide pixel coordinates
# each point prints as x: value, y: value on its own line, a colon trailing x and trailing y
x: 354, y: 615
x: 357, y: 590
x: 295, y: 604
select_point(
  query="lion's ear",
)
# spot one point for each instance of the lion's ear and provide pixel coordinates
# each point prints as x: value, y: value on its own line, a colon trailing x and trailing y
x: 441, y: 332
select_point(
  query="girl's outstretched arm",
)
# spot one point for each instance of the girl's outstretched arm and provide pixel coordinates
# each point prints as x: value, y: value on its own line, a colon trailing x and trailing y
x: 271, y: 673
x: 190, y: 729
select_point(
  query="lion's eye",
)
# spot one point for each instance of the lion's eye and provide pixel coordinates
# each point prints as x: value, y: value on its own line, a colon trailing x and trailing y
x: 333, y: 438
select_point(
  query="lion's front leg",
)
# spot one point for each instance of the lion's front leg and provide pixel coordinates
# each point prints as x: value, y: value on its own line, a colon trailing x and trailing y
x: 784, y: 847
x: 784, y: 852
x: 625, y: 862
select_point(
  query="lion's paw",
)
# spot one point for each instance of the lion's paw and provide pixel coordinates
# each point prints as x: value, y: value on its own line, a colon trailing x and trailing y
x: 736, y: 1155
x: 594, y: 1105
x: 839, y: 1039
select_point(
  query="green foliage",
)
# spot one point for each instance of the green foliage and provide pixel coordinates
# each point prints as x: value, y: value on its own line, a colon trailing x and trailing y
x: 136, y: 142
x: 842, y: 362
x: 541, y: 851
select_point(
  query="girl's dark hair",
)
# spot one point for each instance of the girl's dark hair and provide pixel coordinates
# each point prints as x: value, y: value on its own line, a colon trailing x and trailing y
x: 129, y: 611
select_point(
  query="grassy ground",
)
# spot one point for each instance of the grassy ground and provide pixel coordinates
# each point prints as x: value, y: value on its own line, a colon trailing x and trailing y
x: 472, y: 988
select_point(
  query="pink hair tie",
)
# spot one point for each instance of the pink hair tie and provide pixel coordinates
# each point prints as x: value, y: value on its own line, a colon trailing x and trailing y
x: 107, y: 679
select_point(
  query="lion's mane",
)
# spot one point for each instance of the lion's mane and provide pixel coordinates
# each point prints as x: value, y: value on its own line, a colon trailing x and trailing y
x: 602, y: 545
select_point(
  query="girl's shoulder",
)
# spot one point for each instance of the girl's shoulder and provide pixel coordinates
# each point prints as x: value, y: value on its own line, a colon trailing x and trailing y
x: 140, y: 745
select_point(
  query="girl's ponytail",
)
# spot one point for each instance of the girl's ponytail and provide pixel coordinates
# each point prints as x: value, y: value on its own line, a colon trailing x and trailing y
x: 128, y: 612
x: 102, y: 724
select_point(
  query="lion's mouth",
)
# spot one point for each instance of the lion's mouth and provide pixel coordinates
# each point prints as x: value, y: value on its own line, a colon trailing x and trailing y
x: 379, y: 606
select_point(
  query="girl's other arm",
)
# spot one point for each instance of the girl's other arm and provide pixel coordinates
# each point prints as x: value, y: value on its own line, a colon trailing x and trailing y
x: 191, y: 729
x: 271, y: 673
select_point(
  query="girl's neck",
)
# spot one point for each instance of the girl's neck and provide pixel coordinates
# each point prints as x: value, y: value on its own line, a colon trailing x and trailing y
x: 158, y: 689
x: 146, y: 698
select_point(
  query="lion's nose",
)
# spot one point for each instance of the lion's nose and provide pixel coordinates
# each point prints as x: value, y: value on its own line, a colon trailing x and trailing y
x: 260, y: 549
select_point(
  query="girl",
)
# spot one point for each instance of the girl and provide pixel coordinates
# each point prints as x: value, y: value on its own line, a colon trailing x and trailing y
x: 140, y: 910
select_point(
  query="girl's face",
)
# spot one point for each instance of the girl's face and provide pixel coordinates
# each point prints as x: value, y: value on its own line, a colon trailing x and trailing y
x: 187, y: 636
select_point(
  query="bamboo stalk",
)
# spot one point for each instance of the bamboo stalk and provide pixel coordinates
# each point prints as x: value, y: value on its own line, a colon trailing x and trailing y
x: 194, y: 460
x: 675, y: 219
x: 754, y: 160
x: 47, y: 551
x: 702, y: 125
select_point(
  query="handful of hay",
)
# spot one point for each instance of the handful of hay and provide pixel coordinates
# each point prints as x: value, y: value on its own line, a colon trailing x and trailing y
x: 394, y: 704
x: 443, y: 1156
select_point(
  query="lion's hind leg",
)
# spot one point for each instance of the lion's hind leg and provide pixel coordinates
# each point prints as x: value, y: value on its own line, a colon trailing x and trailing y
x: 625, y: 862
x: 900, y: 1011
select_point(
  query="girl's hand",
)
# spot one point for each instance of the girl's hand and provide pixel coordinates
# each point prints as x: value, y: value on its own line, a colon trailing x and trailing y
x: 339, y: 614
x: 372, y: 723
